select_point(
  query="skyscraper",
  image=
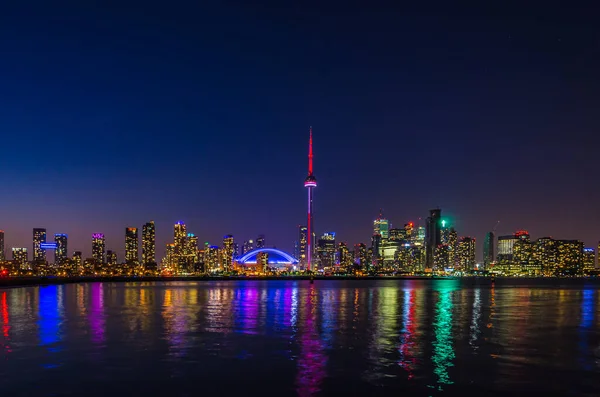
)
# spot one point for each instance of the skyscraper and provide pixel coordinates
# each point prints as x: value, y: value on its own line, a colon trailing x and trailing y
x: 326, y: 250
x: 488, y: 250
x: 61, y: 253
x: 148, y: 243
x: 131, y: 245
x: 260, y: 241
x: 302, y: 241
x: 432, y: 235
x: 360, y: 256
x: 465, y: 254
x: 310, y: 183
x: 77, y: 259
x: 344, y: 257
x: 381, y: 226
x: 2, y: 252
x: 98, y: 247
x: 228, y: 252
x: 19, y: 256
x: 247, y: 246
x: 39, y: 237
x: 589, y: 260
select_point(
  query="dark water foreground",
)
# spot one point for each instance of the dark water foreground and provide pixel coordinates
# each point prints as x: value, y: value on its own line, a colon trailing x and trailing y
x: 286, y: 338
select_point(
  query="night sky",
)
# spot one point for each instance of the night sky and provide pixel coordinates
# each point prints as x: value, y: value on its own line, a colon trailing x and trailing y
x: 117, y: 114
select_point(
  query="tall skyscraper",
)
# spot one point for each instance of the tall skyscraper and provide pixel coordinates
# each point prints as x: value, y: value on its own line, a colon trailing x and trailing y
x: 488, y: 250
x: 2, y: 252
x: 98, y: 247
x: 432, y: 235
x: 360, y: 256
x: 381, y: 226
x: 465, y: 254
x: 61, y: 252
x: 302, y: 249
x: 228, y: 252
x: 148, y: 243
x: 310, y: 183
x: 326, y: 250
x: 19, y: 256
x: 260, y: 241
x: 39, y: 237
x: 344, y: 257
x: 131, y: 245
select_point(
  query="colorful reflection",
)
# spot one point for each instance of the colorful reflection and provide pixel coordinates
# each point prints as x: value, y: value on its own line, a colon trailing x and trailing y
x: 96, y: 313
x: 443, y: 351
x: 179, y: 317
x: 49, y: 315
x: 249, y: 308
x: 407, y: 360
x: 312, y: 361
x: 585, y: 327
x: 476, y: 316
x: 5, y: 323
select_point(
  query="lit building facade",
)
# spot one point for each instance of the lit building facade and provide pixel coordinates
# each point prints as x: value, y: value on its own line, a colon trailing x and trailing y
x: 19, y: 257
x: 61, y: 252
x: 262, y: 262
x: 381, y: 226
x: 131, y: 245
x: 569, y: 258
x: 247, y: 246
x: 98, y: 247
x: 111, y: 258
x: 39, y: 238
x: 228, y: 257
x: 260, y: 241
x: 465, y: 254
x: 149, y: 243
x: 326, y: 250
x: 544, y: 255
x: 302, y: 247
x: 360, y: 256
x: 344, y: 257
x: 589, y: 261
x: 433, y: 235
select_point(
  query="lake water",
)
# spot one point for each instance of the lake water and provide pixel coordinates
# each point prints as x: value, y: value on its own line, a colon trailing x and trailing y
x: 288, y: 338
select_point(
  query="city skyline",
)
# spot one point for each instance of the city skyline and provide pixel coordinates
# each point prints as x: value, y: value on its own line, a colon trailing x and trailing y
x: 158, y: 116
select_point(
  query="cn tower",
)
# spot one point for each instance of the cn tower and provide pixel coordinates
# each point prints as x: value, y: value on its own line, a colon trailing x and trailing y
x: 310, y: 183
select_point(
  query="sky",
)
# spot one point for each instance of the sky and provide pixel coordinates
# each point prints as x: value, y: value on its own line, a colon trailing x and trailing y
x: 116, y: 113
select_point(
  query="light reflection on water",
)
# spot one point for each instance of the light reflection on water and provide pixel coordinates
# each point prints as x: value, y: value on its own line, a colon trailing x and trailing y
x: 296, y: 338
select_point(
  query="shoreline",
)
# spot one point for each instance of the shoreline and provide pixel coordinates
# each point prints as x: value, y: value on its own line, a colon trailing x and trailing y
x: 14, y: 282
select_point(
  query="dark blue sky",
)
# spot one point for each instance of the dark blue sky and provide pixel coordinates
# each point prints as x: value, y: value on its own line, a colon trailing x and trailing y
x: 117, y: 114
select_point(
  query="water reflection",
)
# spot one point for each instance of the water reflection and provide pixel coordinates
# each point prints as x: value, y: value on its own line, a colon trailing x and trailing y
x: 476, y: 316
x: 5, y: 324
x: 96, y: 313
x: 408, y: 360
x: 443, y: 351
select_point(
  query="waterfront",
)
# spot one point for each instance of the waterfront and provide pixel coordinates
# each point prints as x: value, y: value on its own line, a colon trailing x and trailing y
x: 295, y: 338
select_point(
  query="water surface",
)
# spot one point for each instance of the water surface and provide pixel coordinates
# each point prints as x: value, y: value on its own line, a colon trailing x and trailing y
x: 293, y: 338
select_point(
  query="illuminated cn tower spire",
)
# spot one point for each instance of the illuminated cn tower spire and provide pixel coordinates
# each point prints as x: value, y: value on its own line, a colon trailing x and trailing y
x: 310, y: 182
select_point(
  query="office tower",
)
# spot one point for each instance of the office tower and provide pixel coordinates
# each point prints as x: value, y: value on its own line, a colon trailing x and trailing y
x: 310, y: 183
x: 148, y: 243
x: 179, y: 237
x: 247, y: 246
x: 465, y: 254
x: 77, y: 259
x: 39, y: 237
x: 544, y: 255
x: 262, y: 262
x: 111, y: 258
x: 505, y: 249
x: 326, y: 250
x: 409, y: 231
x: 375, y: 249
x: 236, y: 250
x: 344, y: 257
x: 302, y: 249
x: 523, y: 257
x: 432, y: 235
x: 360, y: 256
x: 211, y: 258
x: 397, y: 234
x: 381, y: 226
x: 420, y: 236
x: 98, y: 247
x: 260, y: 241
x: 189, y: 256
x: 389, y: 250
x: 589, y: 261
x: 131, y: 245
x: 19, y: 257
x: 169, y: 260
x: 228, y: 252
x: 2, y: 253
x: 61, y: 251
x: 488, y: 250
x: 569, y: 258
